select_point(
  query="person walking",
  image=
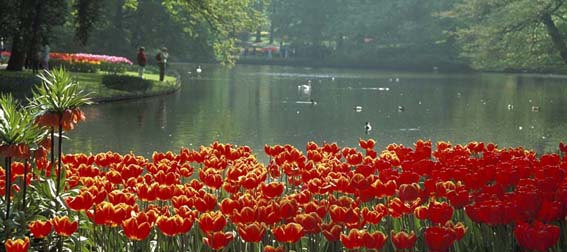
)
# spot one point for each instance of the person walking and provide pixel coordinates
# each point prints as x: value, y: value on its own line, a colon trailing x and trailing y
x: 44, y: 56
x: 141, y: 61
x: 161, y: 58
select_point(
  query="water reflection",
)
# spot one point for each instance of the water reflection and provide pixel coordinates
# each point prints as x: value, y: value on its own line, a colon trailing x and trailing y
x: 257, y: 105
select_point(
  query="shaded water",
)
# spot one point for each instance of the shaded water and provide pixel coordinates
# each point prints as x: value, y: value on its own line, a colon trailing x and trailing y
x: 257, y: 105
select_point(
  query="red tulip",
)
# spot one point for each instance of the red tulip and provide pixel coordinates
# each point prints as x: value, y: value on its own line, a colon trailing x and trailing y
x: 212, y: 222
x: 253, y: 232
x: 270, y: 213
x: 272, y: 190
x: 174, y: 225
x: 244, y: 216
x: 354, y: 239
x: 403, y: 240
x: 439, y: 238
x: 367, y: 144
x: 217, y: 240
x: 40, y: 229
x: 289, y: 233
x: 374, y: 240
x: 536, y: 236
x: 459, y: 229
x: 372, y: 217
x: 331, y: 231
x: 408, y: 192
x: 440, y: 212
x: 310, y: 222
x: 17, y: 245
x: 64, y: 226
x: 135, y: 229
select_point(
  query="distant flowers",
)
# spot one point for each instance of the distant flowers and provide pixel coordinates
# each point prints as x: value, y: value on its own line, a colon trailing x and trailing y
x: 89, y: 58
x: 82, y: 58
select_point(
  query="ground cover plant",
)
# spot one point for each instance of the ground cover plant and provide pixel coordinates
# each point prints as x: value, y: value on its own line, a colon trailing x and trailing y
x: 323, y: 197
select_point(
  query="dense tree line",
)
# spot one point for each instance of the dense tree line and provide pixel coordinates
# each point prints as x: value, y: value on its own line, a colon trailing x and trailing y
x: 482, y: 34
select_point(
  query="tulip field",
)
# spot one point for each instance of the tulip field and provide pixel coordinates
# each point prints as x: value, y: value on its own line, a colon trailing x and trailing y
x: 473, y: 197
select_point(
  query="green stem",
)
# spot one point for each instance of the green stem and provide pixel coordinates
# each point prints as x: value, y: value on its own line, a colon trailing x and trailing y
x: 52, y: 151
x: 25, y: 184
x: 59, y: 161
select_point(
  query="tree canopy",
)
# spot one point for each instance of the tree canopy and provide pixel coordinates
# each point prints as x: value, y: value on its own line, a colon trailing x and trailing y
x: 483, y: 34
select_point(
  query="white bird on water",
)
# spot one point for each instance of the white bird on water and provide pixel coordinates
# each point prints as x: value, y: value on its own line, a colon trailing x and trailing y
x: 367, y: 127
x: 305, y: 88
x: 199, y: 70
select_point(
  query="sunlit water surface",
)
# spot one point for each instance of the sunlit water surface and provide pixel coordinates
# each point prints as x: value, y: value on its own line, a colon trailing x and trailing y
x: 257, y: 105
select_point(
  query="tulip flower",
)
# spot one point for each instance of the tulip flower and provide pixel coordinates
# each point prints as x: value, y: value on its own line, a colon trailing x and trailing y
x: 83, y: 201
x: 174, y: 225
x: 537, y: 236
x: 17, y: 245
x: 217, y: 240
x: 135, y: 229
x: 403, y: 240
x: 64, y: 226
x: 212, y: 222
x: 272, y: 190
x: 40, y: 229
x: 331, y: 231
x: 375, y: 240
x: 253, y: 232
x: 439, y: 212
x: 289, y: 233
x: 439, y: 238
x: 354, y: 239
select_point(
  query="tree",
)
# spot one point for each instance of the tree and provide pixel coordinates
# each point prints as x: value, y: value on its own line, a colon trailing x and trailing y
x: 512, y: 34
x: 28, y: 23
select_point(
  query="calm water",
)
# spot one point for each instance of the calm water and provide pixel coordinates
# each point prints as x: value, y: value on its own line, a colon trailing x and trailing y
x: 257, y: 105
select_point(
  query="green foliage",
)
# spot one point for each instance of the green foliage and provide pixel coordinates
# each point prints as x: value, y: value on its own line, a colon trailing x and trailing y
x: 17, y: 124
x: 509, y: 34
x: 377, y: 33
x: 57, y: 93
x: 113, y: 68
x: 126, y: 83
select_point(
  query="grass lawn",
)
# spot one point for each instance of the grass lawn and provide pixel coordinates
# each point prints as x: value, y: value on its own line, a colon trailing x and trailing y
x: 21, y: 83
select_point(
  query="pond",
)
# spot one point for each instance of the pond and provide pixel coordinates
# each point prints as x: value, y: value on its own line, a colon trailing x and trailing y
x: 257, y: 105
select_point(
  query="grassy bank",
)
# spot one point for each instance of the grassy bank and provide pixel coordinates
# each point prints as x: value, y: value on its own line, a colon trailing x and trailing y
x: 20, y: 84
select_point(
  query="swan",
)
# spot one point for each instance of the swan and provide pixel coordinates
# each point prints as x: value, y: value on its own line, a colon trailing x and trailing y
x: 401, y: 108
x: 305, y: 88
x: 199, y: 70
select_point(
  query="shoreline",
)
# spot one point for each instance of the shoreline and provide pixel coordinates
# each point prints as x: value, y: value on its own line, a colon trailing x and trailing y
x: 21, y: 83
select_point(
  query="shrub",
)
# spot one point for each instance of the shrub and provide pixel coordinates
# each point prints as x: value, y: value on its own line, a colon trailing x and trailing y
x: 20, y: 85
x: 113, y: 67
x: 126, y: 83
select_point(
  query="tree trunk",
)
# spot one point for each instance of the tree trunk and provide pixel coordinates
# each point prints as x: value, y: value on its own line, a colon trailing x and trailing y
x: 556, y: 36
x: 18, y: 55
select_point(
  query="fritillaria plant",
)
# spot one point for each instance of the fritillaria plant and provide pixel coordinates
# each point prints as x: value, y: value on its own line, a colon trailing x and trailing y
x: 57, y: 103
x: 17, y: 133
